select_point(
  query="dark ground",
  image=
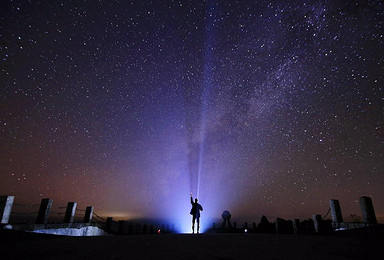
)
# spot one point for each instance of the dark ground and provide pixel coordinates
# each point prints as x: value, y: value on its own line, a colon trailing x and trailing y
x: 357, y: 244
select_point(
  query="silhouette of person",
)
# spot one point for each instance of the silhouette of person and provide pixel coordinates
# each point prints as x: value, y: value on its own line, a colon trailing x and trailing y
x: 195, y: 212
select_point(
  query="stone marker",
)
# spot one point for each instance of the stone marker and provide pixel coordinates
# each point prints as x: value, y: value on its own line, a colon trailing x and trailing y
x: 45, y: 209
x: 163, y: 230
x: 121, y: 226
x: 226, y: 218
x: 70, y: 212
x: 88, y: 214
x: 335, y: 211
x: 151, y: 229
x: 264, y: 226
x: 317, y: 223
x: 108, y: 224
x: 367, y: 210
x: 145, y: 229
x: 137, y: 228
x: 278, y: 225
x: 283, y: 226
x: 296, y: 226
x: 6, y: 203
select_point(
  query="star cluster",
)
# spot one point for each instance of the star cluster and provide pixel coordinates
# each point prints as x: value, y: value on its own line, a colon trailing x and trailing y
x: 117, y: 104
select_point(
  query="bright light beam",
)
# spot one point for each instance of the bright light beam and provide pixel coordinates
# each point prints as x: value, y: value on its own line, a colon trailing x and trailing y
x: 207, y: 86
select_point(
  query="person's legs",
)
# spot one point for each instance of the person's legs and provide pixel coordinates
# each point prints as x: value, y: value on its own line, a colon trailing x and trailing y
x: 193, y: 224
x: 198, y: 225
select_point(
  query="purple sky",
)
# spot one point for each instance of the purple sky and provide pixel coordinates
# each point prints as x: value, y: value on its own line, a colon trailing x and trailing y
x: 269, y: 107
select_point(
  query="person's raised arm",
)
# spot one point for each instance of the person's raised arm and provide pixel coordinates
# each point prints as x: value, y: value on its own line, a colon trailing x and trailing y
x: 191, y: 198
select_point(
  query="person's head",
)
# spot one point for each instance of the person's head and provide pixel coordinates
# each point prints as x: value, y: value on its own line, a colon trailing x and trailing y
x: 196, y: 200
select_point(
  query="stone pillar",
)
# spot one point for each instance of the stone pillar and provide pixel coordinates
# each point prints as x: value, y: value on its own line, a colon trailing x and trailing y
x: 45, y: 209
x: 226, y: 218
x: 296, y: 226
x: 336, y: 211
x: 278, y: 225
x: 131, y: 228
x: 367, y: 210
x: 88, y: 214
x: 317, y: 222
x: 70, y: 212
x: 163, y: 229
x: 6, y: 203
x: 138, y: 228
x: 121, y: 224
x: 108, y: 224
x: 145, y: 229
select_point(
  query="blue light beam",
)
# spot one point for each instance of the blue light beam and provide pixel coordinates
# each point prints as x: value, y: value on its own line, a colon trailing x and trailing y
x: 207, y: 86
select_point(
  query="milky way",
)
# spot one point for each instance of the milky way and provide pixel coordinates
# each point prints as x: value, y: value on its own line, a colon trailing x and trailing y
x: 270, y: 107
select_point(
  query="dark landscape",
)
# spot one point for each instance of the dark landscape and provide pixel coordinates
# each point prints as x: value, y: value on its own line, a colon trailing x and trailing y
x: 365, y: 243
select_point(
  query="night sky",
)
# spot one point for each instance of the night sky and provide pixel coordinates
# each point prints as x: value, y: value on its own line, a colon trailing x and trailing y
x: 258, y: 107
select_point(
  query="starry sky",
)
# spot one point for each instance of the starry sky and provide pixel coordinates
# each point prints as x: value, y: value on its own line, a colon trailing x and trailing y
x: 258, y: 107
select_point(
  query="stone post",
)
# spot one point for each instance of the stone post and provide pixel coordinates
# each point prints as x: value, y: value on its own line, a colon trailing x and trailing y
x: 88, y: 214
x: 121, y: 224
x: 45, y: 209
x: 317, y: 222
x: 163, y: 228
x: 173, y: 228
x: 6, y: 203
x: 226, y: 218
x: 145, y: 229
x: 70, y: 212
x: 278, y: 225
x: 336, y: 211
x: 367, y: 210
x: 138, y: 228
x: 108, y: 224
x: 296, y: 226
